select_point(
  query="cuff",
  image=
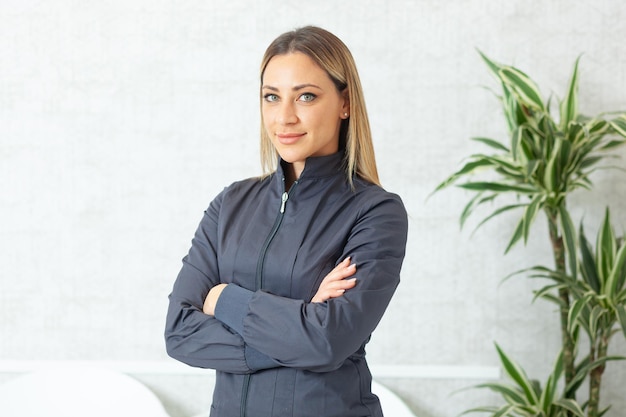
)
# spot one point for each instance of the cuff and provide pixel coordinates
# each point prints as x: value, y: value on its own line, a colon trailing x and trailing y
x: 257, y: 360
x: 232, y: 306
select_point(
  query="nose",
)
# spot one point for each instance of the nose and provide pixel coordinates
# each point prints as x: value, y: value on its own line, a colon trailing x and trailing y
x: 287, y: 114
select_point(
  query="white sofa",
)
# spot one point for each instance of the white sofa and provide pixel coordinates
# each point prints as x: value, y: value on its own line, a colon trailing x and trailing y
x: 81, y: 391
x: 77, y: 391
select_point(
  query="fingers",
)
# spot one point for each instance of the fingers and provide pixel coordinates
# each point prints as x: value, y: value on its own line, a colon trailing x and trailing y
x: 336, y: 282
x: 343, y: 270
x: 211, y: 299
x: 338, y: 286
x: 324, y: 294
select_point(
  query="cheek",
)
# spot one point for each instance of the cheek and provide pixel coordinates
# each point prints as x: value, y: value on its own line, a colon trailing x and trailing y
x: 269, y: 131
x: 330, y: 121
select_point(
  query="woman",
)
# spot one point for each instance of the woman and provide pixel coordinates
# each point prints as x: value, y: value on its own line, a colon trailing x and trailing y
x: 289, y: 274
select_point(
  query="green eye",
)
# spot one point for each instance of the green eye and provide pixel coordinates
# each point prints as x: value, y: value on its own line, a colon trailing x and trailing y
x: 308, y: 97
x: 270, y: 98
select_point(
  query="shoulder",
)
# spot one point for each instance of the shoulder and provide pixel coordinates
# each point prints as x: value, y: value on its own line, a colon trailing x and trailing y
x: 381, y: 218
x: 237, y: 191
x: 372, y: 195
x: 246, y: 186
x: 378, y: 208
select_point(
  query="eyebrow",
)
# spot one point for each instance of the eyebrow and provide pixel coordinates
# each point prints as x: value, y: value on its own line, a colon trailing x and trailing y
x: 295, y: 88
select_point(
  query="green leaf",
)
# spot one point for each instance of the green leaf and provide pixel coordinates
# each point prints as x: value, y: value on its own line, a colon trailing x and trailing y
x: 517, y: 234
x: 547, y: 293
x: 468, y: 168
x: 566, y: 158
x: 506, y: 410
x: 469, y: 207
x: 582, y: 370
x: 569, y: 106
x: 576, y: 133
x: 603, y: 412
x: 554, y: 275
x: 531, y: 168
x: 523, y: 87
x: 556, y: 300
x: 603, y: 360
x: 510, y: 394
x: 619, y: 125
x: 551, y: 175
x: 475, y: 203
x: 530, y: 213
x: 574, y: 312
x: 548, y: 394
x: 570, y: 405
x: 518, y: 375
x: 590, y: 161
x: 616, y: 276
x: 513, y: 114
x: 498, y: 187
x: 621, y: 316
x: 492, y: 143
x: 597, y: 126
x: 493, y: 66
x: 516, y: 141
x: 530, y: 144
x: 587, y: 262
x: 504, y: 165
x: 479, y: 410
x: 584, y: 321
x: 596, y: 314
x: 605, y: 250
x: 569, y: 239
x: 611, y: 144
x: 497, y: 212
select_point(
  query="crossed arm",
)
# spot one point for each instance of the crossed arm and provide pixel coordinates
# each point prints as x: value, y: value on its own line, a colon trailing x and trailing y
x: 205, y: 332
x: 333, y: 285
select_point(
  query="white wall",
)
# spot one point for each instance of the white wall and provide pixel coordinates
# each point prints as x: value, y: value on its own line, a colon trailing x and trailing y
x: 120, y: 120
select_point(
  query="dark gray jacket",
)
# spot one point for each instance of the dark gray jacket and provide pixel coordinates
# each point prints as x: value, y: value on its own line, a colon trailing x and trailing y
x: 275, y: 352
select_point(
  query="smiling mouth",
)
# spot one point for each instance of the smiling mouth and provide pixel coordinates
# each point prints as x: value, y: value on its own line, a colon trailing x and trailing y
x: 289, y: 138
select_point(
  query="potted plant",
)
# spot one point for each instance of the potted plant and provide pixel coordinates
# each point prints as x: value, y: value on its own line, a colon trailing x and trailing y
x: 543, y: 161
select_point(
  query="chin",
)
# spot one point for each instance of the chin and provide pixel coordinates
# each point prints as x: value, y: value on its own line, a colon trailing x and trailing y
x: 291, y: 158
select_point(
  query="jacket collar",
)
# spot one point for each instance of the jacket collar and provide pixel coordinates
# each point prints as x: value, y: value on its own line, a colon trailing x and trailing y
x: 318, y: 167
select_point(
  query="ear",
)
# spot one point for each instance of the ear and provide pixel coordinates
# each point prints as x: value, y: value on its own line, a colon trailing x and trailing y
x: 345, y: 108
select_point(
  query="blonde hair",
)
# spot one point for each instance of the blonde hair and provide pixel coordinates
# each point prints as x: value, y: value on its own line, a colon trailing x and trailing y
x: 334, y: 57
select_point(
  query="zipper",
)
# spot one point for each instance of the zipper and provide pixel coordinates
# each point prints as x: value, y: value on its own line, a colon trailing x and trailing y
x: 270, y: 237
x: 284, y: 199
x: 259, y: 278
x: 244, y: 395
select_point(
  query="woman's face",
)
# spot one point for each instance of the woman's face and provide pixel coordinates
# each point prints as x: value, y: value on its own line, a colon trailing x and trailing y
x: 302, y: 109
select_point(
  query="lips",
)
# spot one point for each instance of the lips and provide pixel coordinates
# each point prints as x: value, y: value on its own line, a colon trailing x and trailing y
x: 289, y: 138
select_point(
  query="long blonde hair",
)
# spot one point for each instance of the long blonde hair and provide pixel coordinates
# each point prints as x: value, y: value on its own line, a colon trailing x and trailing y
x: 334, y: 57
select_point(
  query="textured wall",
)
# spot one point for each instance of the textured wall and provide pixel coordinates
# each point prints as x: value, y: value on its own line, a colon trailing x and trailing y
x: 120, y: 120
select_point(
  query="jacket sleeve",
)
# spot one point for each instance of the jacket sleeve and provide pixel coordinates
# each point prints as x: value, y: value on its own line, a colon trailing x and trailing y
x: 319, y: 337
x: 193, y: 337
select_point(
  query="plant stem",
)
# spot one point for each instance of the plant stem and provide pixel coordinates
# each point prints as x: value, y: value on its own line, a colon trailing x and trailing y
x: 595, y: 376
x: 558, y: 250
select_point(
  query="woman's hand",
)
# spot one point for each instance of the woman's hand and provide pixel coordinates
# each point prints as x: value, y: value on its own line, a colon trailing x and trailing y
x: 211, y: 299
x: 335, y: 283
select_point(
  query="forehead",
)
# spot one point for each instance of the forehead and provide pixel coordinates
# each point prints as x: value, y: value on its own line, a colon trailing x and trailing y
x: 293, y: 68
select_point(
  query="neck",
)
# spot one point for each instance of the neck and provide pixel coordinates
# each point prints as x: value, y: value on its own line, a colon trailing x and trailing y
x: 291, y: 175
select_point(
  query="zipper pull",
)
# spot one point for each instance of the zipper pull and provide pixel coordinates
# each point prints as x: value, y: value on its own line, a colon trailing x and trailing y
x: 284, y: 201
